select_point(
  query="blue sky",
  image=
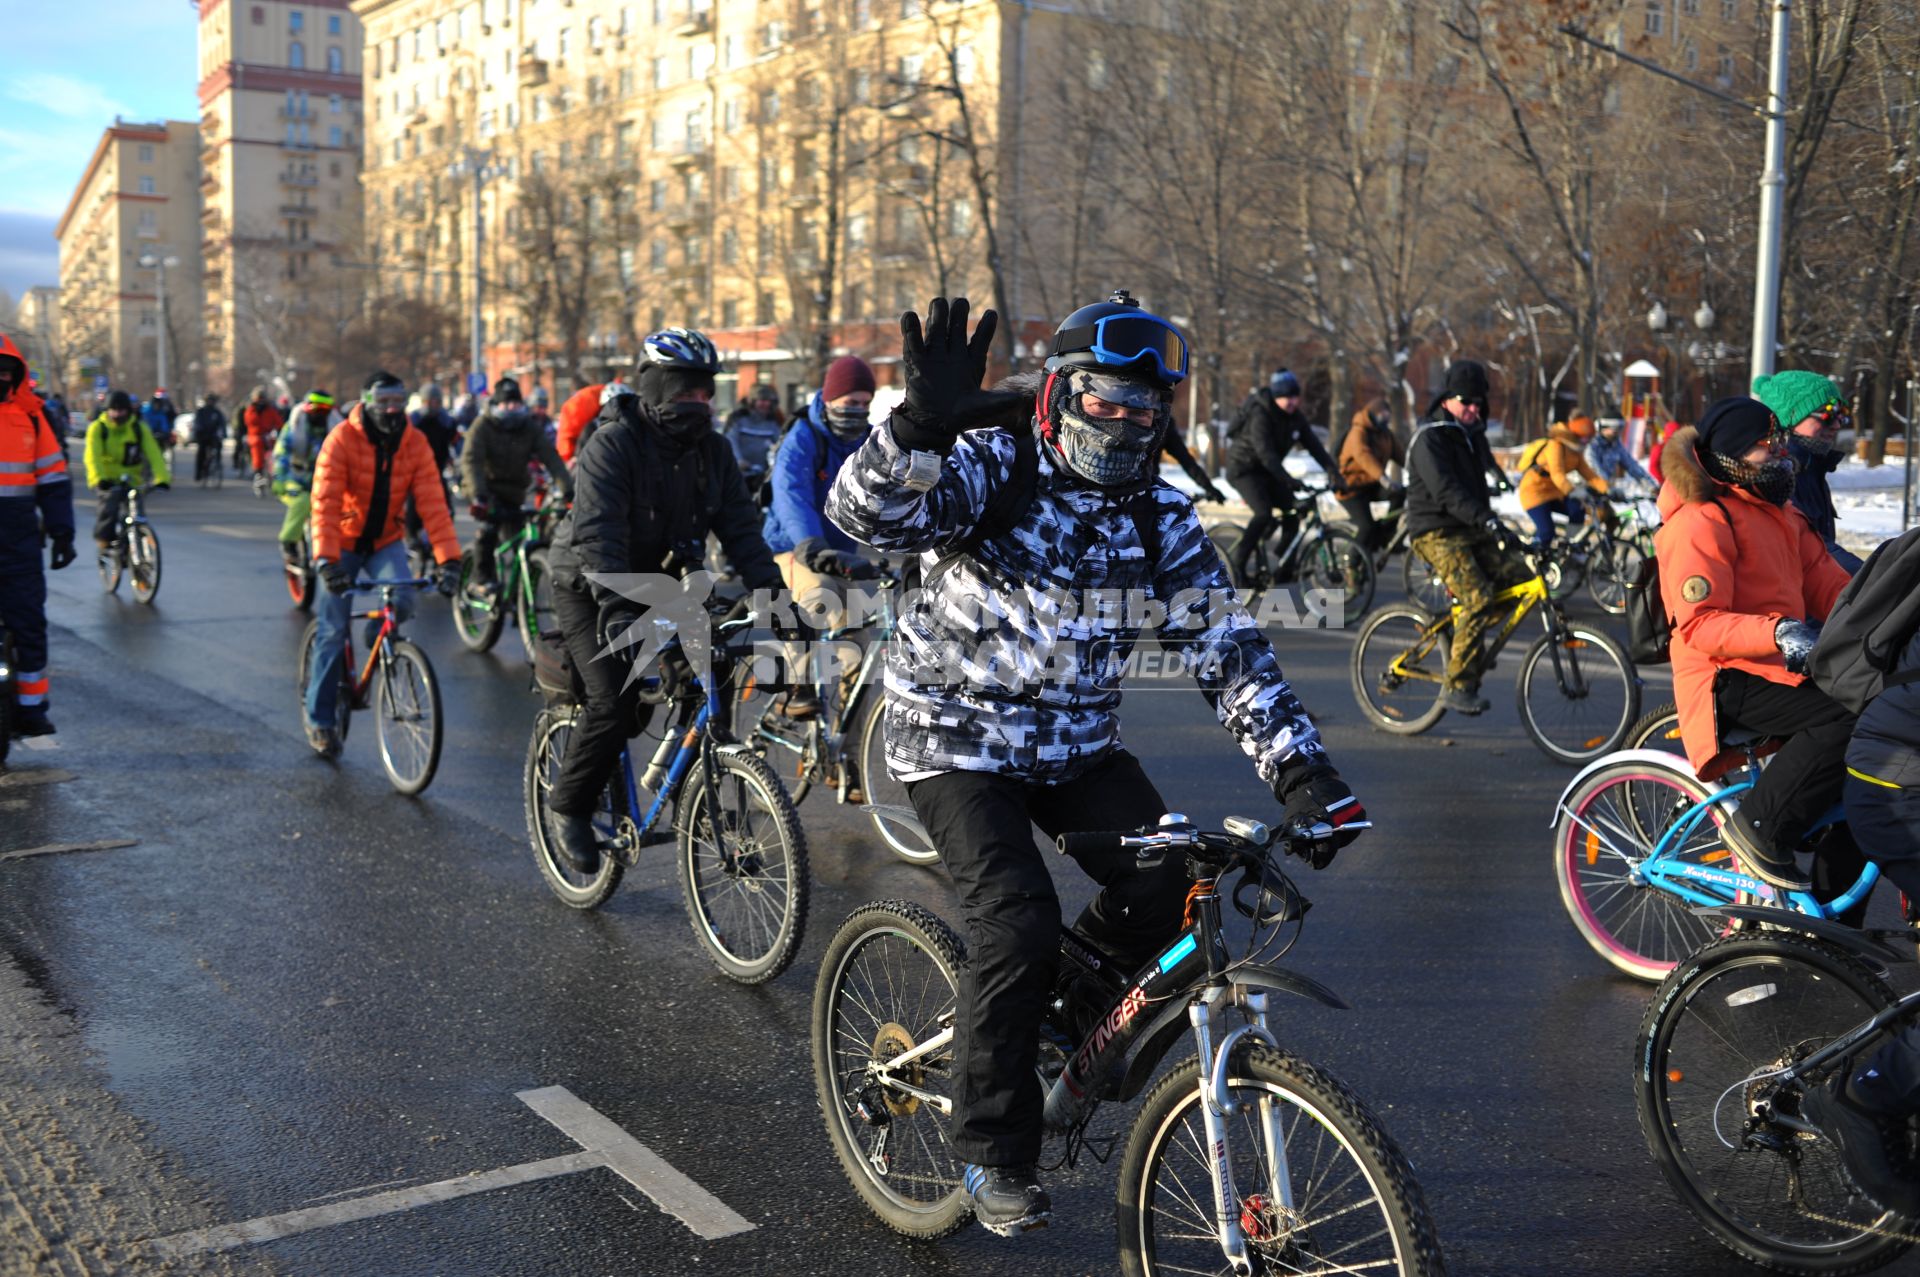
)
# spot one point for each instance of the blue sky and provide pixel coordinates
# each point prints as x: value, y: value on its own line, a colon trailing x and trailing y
x: 71, y: 66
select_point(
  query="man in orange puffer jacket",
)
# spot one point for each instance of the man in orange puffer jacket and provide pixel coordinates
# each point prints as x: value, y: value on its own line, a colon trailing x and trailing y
x: 371, y: 463
x: 1748, y: 582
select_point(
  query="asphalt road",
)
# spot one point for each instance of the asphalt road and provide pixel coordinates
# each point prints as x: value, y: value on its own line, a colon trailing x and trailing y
x: 295, y: 987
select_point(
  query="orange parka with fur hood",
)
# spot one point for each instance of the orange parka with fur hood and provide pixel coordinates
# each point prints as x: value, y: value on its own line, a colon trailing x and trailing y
x: 1731, y: 567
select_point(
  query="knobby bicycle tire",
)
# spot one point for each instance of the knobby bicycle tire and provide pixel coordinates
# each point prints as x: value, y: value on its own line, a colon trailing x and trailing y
x: 1838, y: 991
x: 545, y: 750
x: 848, y: 1031
x: 478, y: 625
x: 1162, y: 1138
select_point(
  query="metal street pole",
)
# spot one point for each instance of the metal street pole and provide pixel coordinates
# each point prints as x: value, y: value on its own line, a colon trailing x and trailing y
x: 163, y: 323
x: 1907, y: 441
x: 475, y: 354
x: 1773, y: 184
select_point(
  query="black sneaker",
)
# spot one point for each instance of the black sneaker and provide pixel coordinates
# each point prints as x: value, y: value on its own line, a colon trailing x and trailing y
x: 1859, y: 1136
x: 33, y: 725
x: 577, y: 843
x: 1760, y: 858
x: 1008, y: 1200
x: 1464, y: 700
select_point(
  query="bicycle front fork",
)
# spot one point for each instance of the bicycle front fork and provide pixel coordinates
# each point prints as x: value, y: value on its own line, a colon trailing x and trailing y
x: 1231, y: 1215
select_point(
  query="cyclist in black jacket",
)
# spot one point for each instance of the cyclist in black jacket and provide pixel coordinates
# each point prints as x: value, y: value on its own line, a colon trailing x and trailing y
x: 1269, y: 426
x: 649, y: 485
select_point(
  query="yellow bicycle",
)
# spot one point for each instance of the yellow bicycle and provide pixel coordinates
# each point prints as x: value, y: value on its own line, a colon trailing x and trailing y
x: 1578, y: 691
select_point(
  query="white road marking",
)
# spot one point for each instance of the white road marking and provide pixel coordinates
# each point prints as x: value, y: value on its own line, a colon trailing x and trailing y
x: 603, y: 1144
x: 59, y: 848
x: 634, y: 1162
x: 273, y: 1227
x: 238, y: 534
x: 40, y: 744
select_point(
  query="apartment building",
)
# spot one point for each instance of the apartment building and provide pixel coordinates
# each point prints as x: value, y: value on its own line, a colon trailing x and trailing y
x: 280, y: 141
x: 36, y: 330
x: 766, y: 171
x: 133, y: 218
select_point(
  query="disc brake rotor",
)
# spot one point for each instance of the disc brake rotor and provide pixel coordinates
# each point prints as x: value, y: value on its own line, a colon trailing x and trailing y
x: 890, y: 1043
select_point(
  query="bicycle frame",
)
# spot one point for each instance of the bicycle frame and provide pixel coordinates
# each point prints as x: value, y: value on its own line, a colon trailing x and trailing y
x: 389, y: 630
x: 1525, y: 596
x: 842, y: 717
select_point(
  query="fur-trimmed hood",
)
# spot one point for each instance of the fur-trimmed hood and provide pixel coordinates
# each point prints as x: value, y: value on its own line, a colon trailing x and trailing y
x: 1684, y: 482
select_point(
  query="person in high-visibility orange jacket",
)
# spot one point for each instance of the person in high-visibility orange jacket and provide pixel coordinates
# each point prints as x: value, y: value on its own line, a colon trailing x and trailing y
x: 263, y: 422
x: 36, y: 505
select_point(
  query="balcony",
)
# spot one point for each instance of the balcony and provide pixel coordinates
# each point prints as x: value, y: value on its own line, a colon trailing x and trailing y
x: 691, y: 21
x: 291, y: 178
x: 687, y: 215
x: 298, y: 113
x: 533, y: 72
x: 903, y: 176
x: 687, y: 278
x: 689, y: 152
x: 294, y: 144
x: 898, y: 252
x: 803, y: 199
x: 297, y: 210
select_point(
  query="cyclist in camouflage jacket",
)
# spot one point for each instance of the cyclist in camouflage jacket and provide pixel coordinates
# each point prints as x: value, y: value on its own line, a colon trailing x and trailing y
x: 1003, y: 687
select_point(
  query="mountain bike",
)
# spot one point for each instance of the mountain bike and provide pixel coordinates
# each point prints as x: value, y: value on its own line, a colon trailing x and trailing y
x: 1577, y: 689
x: 213, y: 473
x: 522, y: 588
x: 843, y: 747
x: 740, y: 852
x: 1320, y: 557
x: 1605, y: 552
x: 302, y: 579
x: 1637, y: 853
x: 1243, y: 1158
x: 135, y: 550
x: 397, y: 681
x: 1733, y: 1040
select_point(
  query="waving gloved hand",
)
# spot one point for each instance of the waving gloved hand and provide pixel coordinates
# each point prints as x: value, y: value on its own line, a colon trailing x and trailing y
x: 1795, y: 639
x: 944, y: 369
x: 1316, y: 796
x: 63, y: 552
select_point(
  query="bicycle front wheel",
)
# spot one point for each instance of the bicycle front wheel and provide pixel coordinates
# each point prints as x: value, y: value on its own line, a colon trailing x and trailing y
x: 143, y: 555
x: 408, y: 722
x: 1606, y: 830
x: 112, y: 565
x: 1613, y: 571
x: 1225, y: 536
x: 1348, y: 1201
x: 883, y: 790
x: 1336, y: 563
x: 545, y: 752
x: 745, y: 881
x: 890, y: 983
x: 535, y: 601
x: 1581, y: 707
x: 1398, y: 671
x: 478, y: 621
x: 1718, y: 1029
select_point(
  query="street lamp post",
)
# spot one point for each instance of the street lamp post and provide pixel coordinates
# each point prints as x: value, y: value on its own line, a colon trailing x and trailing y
x: 156, y: 263
x: 474, y: 164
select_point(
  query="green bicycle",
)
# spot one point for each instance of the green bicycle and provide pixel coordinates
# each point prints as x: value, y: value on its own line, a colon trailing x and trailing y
x: 524, y: 591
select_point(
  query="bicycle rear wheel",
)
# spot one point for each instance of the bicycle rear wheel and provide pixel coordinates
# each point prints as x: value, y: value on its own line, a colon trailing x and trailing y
x: 545, y: 751
x: 745, y: 883
x: 1583, y: 710
x: 883, y: 790
x: 1225, y: 536
x: 890, y: 982
x: 342, y: 701
x: 1605, y: 831
x: 1355, y: 1205
x: 1658, y: 728
x: 300, y: 578
x: 408, y: 720
x: 1399, y: 695
x: 477, y: 621
x: 1335, y: 562
x: 1726, y: 1019
x: 1612, y: 571
x: 786, y: 745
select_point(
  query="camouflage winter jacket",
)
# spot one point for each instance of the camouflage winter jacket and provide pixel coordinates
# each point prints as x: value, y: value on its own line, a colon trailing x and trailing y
x: 1010, y: 657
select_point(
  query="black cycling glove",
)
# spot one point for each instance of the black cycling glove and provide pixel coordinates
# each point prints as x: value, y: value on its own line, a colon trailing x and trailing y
x: 338, y: 579
x: 943, y: 371
x: 1317, y: 796
x: 63, y: 552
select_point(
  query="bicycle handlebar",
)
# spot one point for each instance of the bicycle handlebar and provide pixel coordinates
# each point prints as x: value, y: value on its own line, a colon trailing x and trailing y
x: 415, y: 583
x: 1226, y: 848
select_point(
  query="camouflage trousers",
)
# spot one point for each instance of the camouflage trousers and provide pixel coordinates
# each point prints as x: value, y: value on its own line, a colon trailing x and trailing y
x: 1476, y: 570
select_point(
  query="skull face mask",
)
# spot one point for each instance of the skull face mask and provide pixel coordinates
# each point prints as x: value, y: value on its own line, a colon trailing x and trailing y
x: 1109, y: 428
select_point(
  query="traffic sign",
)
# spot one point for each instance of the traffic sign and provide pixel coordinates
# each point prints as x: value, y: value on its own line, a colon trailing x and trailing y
x: 100, y: 381
x: 476, y: 383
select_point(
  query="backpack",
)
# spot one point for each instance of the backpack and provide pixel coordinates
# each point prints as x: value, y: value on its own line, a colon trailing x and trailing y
x: 1530, y: 456
x: 554, y: 676
x: 1870, y: 626
x: 1009, y: 503
x: 1649, y: 628
x: 1248, y: 407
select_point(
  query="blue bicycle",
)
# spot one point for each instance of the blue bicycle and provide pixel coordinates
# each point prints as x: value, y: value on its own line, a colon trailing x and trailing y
x: 740, y: 852
x: 1637, y: 848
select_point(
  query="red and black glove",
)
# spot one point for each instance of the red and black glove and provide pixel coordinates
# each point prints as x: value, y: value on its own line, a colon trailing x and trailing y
x: 1317, y: 796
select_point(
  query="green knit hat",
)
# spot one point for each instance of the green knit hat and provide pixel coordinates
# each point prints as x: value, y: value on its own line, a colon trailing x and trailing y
x: 1795, y: 396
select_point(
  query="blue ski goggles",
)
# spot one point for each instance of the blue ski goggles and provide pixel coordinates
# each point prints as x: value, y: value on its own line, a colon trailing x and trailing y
x: 1118, y: 341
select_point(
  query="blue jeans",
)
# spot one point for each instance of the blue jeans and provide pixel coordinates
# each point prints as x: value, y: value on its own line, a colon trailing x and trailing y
x: 1542, y: 516
x: 334, y: 612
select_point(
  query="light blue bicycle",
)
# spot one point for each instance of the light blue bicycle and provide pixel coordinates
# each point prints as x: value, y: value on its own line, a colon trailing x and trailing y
x: 1637, y: 849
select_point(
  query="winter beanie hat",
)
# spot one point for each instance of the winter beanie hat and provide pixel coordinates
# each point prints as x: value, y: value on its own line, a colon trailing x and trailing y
x: 1794, y: 396
x: 846, y: 375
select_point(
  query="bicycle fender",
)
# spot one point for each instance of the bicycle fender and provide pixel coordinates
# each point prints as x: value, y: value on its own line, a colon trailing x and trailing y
x: 1650, y: 757
x: 1167, y: 1027
x: 1865, y: 943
